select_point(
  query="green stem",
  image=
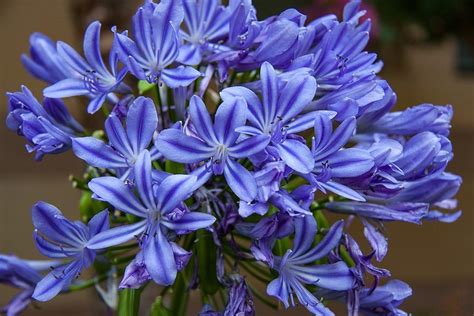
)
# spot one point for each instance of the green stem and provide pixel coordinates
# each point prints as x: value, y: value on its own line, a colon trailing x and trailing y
x: 129, y: 302
x: 160, y: 105
x: 180, y: 299
x: 87, y: 284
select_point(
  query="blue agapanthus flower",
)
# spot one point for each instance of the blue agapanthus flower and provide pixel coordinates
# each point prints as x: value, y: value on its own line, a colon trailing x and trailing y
x: 58, y: 238
x: 125, y: 144
x: 383, y: 300
x: 217, y: 144
x: 295, y: 267
x: 89, y: 76
x: 161, y: 211
x: 277, y: 115
x: 44, y: 62
x: 207, y: 23
x: 219, y: 172
x: 156, y: 46
x: 24, y: 275
x: 48, y: 128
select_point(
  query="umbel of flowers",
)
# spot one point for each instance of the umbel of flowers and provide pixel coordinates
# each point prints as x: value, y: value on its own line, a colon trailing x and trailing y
x: 226, y: 140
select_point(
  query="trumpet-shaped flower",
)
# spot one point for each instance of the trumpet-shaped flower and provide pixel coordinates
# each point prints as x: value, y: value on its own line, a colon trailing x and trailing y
x: 44, y: 61
x: 278, y: 115
x: 125, y: 145
x: 48, y: 128
x: 156, y: 45
x: 91, y: 77
x: 296, y: 267
x: 22, y: 274
x: 217, y: 144
x: 207, y: 22
x: 161, y: 212
x: 57, y: 237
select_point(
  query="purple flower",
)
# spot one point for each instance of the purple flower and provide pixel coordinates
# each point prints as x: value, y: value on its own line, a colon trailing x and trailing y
x: 362, y: 262
x: 404, y: 212
x: 136, y: 272
x: 156, y: 45
x: 417, y: 119
x: 383, y: 300
x: 48, y: 128
x: 207, y: 22
x: 125, y: 145
x: 217, y: 144
x: 240, y: 301
x: 333, y: 162
x: 22, y: 274
x: 278, y: 115
x: 161, y: 211
x: 44, y: 61
x: 59, y: 238
x: 295, y: 268
x: 90, y: 77
x: 265, y: 233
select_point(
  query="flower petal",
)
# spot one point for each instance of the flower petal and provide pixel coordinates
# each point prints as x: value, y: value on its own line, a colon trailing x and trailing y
x: 159, y: 259
x: 92, y: 48
x: 173, y: 190
x: 201, y: 120
x: 305, y: 231
x: 50, y: 222
x: 240, y: 180
x: 116, y: 235
x: 296, y: 155
x: 191, y: 221
x: 328, y: 243
x: 335, y: 276
x: 117, y: 193
x: 143, y: 179
x: 181, y: 76
x: 97, y: 154
x: 56, y: 280
x: 117, y: 136
x: 255, y: 107
x: 269, y: 92
x: 177, y: 146
x: 351, y: 162
x: 295, y: 96
x: 70, y: 87
x: 142, y: 122
x: 249, y: 146
x: 230, y: 115
x: 98, y: 223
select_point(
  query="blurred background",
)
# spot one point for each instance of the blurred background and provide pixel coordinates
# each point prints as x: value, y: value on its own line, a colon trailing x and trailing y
x: 428, y: 50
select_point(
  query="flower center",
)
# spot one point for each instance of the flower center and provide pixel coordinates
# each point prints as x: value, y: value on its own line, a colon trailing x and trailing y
x: 219, y: 159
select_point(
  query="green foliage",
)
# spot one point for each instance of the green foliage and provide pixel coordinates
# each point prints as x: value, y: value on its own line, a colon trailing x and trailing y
x: 144, y: 86
x: 206, y: 254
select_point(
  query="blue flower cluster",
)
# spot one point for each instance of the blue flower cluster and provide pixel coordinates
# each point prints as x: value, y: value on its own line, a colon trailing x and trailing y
x: 241, y: 135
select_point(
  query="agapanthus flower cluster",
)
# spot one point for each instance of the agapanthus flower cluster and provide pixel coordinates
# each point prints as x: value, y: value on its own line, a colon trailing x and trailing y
x: 226, y: 140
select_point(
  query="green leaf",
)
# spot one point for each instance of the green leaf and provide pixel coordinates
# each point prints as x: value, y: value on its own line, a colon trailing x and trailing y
x: 145, y: 86
x: 158, y: 309
x: 129, y: 302
x: 206, y: 254
x: 174, y: 167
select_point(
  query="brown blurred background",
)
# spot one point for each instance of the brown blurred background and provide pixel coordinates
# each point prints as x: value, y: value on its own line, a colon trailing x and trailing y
x: 436, y: 259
